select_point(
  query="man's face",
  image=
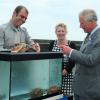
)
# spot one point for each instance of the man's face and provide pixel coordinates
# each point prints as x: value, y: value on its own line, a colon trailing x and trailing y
x: 20, y: 18
x: 85, y: 25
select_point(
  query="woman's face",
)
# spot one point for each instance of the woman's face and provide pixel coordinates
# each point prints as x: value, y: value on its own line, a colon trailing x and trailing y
x: 61, y: 32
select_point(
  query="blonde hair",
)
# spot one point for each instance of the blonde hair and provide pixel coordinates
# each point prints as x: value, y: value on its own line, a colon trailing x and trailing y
x: 61, y: 25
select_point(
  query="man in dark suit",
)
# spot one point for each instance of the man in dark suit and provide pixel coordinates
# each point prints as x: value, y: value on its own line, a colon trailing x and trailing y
x: 86, y: 83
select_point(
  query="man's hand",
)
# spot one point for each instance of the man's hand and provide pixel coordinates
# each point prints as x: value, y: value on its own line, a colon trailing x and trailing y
x: 65, y: 49
x: 36, y: 47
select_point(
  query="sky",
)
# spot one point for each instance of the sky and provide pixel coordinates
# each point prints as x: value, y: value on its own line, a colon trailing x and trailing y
x: 44, y: 15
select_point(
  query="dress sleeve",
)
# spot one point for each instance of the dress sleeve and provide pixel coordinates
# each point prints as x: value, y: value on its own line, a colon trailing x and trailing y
x: 72, y: 45
x: 70, y: 64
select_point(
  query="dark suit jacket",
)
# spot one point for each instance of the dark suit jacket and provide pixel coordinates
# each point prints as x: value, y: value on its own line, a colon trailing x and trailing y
x: 87, y: 76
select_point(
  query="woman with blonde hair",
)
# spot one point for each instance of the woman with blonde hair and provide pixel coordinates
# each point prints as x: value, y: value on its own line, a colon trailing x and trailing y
x: 67, y: 64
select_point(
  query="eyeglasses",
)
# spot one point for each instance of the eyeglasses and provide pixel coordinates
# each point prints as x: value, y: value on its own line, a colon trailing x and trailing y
x: 23, y: 17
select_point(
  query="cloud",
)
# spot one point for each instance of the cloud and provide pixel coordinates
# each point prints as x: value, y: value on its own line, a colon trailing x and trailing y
x: 39, y: 3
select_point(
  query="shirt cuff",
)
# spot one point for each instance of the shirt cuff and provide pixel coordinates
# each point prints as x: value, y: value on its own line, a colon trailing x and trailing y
x: 70, y: 53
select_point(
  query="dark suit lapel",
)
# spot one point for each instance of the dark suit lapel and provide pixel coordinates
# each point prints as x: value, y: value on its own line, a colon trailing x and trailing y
x: 88, y: 40
x: 83, y: 47
x: 84, y: 44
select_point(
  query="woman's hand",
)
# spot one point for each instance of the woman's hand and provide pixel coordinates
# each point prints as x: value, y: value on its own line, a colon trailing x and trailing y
x: 64, y: 72
x: 65, y: 49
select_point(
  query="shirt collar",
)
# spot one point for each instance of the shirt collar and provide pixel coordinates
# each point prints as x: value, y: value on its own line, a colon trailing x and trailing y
x: 93, y: 31
x: 12, y: 26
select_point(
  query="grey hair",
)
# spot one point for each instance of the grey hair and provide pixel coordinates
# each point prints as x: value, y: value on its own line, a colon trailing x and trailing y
x: 89, y: 15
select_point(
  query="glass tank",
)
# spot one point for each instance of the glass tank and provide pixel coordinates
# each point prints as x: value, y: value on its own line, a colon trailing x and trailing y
x: 4, y: 80
x: 31, y: 76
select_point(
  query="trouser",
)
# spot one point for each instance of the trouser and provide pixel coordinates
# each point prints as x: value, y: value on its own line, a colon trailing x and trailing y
x: 77, y: 97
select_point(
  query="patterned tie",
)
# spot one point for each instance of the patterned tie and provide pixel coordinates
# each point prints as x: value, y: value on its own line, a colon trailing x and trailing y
x: 84, y: 42
x: 86, y: 39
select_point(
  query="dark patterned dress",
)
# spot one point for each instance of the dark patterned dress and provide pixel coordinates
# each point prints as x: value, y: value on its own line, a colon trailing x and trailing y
x: 66, y: 64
